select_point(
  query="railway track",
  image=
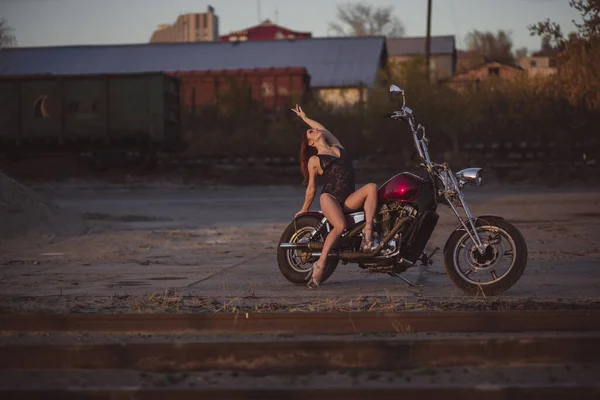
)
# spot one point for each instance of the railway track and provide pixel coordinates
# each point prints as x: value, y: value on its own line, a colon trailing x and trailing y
x: 466, y: 355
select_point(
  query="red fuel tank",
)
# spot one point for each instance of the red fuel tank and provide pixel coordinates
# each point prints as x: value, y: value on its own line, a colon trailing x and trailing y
x: 401, y: 187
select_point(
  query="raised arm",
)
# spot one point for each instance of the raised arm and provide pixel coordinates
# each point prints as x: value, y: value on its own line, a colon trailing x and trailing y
x: 329, y: 137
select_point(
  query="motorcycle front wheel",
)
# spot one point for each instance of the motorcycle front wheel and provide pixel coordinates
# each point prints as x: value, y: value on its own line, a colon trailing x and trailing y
x: 295, y: 264
x: 493, y: 272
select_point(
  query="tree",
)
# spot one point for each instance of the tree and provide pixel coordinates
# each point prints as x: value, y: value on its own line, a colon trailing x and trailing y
x: 492, y: 47
x: 522, y: 52
x: 588, y: 30
x: 360, y: 19
x: 7, y: 38
x: 578, y: 54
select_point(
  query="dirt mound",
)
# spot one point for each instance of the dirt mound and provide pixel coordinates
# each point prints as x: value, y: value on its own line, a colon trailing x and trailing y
x: 24, y: 212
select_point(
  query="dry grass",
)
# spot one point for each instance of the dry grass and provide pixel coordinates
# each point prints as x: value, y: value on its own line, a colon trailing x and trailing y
x: 170, y: 301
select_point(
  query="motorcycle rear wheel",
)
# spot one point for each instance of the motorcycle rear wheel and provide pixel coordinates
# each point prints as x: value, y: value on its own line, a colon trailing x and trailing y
x: 291, y: 262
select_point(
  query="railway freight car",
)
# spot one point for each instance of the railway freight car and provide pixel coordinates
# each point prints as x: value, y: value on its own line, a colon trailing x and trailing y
x: 102, y: 117
x: 274, y: 88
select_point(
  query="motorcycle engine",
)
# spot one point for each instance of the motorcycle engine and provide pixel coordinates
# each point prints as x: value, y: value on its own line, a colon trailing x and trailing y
x: 387, y: 216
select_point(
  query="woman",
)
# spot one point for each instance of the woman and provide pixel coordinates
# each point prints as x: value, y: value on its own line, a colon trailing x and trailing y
x: 321, y: 153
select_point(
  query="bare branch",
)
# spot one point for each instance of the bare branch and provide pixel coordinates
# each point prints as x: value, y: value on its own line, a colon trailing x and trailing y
x: 492, y: 47
x: 360, y: 19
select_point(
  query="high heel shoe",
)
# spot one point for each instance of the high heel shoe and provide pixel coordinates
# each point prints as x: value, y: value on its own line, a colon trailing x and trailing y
x: 367, y: 245
x: 312, y: 282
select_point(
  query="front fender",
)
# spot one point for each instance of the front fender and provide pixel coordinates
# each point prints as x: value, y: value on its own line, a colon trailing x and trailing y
x: 481, y: 217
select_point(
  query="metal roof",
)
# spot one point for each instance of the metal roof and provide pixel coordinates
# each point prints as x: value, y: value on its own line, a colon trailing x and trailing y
x: 331, y: 62
x: 416, y: 45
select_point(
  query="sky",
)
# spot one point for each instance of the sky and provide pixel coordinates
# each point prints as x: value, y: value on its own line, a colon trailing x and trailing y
x: 73, y: 22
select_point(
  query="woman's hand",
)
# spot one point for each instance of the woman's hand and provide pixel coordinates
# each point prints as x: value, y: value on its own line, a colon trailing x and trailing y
x: 300, y: 212
x: 299, y: 112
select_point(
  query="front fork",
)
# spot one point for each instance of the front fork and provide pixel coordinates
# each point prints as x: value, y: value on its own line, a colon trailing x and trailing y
x: 455, y: 192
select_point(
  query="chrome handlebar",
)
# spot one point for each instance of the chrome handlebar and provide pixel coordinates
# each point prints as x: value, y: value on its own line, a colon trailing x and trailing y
x: 406, y: 114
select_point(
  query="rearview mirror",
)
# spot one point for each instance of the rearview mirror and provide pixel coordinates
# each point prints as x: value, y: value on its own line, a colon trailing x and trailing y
x: 396, y: 91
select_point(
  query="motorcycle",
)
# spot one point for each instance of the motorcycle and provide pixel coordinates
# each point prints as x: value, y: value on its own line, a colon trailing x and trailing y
x: 484, y: 254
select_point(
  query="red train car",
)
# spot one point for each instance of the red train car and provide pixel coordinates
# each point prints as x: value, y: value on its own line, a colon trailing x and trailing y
x: 274, y: 88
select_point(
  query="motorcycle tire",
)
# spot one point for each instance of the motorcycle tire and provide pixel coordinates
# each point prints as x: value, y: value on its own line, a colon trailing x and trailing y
x: 293, y: 273
x: 503, y: 283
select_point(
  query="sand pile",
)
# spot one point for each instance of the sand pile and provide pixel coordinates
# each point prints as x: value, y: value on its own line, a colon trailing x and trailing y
x: 23, y: 212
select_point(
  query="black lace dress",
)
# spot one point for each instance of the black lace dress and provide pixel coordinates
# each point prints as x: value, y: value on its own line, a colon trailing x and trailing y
x: 338, y: 175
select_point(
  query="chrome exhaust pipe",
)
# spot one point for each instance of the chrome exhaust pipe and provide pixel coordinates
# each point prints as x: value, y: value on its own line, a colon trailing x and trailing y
x: 318, y: 254
x: 294, y: 246
x: 302, y: 246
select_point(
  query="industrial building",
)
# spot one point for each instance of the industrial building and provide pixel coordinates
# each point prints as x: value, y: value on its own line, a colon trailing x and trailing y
x: 265, y: 31
x: 443, y: 53
x: 193, y: 27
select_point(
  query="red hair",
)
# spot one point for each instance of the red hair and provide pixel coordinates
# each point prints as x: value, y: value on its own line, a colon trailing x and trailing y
x: 306, y: 152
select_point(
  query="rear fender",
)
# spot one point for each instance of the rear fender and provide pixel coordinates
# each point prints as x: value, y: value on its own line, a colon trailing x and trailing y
x: 314, y: 214
x: 489, y: 218
x: 317, y: 214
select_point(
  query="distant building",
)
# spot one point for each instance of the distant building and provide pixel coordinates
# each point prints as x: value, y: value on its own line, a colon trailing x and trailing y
x: 538, y: 65
x: 198, y: 27
x: 443, y: 53
x: 467, y: 60
x: 542, y: 62
x: 487, y: 71
x: 265, y: 31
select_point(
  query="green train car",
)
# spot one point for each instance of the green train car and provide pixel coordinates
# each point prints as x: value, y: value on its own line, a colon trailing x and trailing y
x: 89, y: 114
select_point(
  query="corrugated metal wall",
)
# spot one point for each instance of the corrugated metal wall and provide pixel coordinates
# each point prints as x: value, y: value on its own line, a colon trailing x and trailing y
x: 99, y: 108
x: 9, y: 109
x: 86, y: 108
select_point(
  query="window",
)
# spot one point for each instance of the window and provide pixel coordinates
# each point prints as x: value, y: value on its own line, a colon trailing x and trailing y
x: 533, y: 63
x: 494, y: 71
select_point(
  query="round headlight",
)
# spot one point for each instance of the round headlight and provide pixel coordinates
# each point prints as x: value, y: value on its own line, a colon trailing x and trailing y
x: 472, y: 176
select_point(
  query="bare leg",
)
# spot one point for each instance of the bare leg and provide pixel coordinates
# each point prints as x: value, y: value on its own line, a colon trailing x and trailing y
x: 365, y: 197
x: 333, y: 212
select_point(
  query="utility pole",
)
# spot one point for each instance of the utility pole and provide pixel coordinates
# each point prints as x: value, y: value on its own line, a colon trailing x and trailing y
x: 428, y: 40
x: 258, y: 11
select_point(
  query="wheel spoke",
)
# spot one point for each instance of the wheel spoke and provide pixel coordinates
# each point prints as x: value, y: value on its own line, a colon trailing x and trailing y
x: 295, y: 258
x: 469, y: 264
